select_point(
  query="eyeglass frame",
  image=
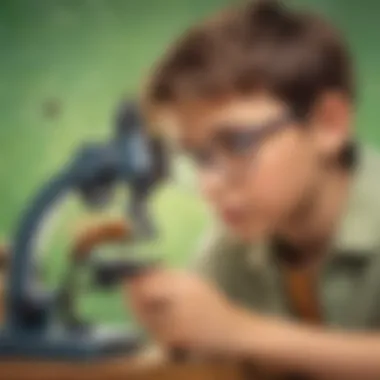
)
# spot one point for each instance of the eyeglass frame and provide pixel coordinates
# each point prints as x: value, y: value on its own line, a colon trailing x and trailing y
x: 252, y: 137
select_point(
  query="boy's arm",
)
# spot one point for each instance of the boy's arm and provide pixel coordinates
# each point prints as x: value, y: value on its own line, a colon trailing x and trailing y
x: 195, y: 317
x: 200, y: 320
x: 310, y: 351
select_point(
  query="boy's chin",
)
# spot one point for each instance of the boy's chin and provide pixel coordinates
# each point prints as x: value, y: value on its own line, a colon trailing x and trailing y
x: 249, y: 234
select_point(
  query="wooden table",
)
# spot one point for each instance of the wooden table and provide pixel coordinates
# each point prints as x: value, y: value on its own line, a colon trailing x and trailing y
x: 119, y: 370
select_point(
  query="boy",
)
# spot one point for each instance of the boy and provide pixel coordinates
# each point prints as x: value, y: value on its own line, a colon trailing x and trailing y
x: 262, y: 99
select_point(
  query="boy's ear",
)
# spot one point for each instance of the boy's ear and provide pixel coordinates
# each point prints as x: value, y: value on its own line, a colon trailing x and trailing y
x: 331, y: 123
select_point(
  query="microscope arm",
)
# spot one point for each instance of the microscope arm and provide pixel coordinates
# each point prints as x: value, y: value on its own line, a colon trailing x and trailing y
x: 23, y: 256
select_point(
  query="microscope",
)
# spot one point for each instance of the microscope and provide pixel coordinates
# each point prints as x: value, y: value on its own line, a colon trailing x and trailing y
x: 131, y: 158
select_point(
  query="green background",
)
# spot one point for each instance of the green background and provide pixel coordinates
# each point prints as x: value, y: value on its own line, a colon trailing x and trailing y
x: 88, y: 54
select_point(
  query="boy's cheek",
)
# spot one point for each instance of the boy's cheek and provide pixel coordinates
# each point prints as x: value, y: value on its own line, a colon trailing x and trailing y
x: 272, y: 196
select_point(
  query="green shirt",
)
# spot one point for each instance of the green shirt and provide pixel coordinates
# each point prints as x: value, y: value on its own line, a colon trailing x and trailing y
x: 349, y: 284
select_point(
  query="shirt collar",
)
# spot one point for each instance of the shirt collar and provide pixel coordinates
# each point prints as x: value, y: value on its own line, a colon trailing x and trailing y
x: 358, y: 234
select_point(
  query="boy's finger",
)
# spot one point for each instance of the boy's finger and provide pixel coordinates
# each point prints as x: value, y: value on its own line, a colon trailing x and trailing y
x: 151, y: 293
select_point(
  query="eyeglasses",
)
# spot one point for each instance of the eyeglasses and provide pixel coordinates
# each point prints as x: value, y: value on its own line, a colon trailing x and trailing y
x: 233, y: 148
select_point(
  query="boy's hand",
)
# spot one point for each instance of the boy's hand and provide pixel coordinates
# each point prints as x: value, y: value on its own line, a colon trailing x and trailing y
x: 182, y: 311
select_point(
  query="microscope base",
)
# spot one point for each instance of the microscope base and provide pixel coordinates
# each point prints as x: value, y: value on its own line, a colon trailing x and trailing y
x: 67, y: 345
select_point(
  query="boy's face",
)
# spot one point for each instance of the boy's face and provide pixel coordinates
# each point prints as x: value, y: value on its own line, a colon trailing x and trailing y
x: 257, y: 166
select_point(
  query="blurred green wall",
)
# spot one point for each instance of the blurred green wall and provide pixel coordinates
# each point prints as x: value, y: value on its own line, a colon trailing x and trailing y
x: 86, y: 55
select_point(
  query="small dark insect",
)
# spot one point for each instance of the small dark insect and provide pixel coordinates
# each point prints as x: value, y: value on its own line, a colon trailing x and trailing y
x: 52, y: 109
